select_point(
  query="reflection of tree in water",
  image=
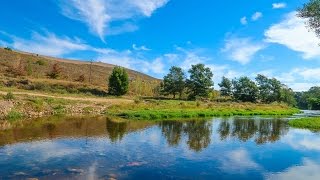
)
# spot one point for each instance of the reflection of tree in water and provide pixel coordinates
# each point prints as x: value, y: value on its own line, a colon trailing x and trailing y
x: 262, y: 130
x: 116, y: 130
x: 244, y: 129
x: 224, y: 129
x: 172, y: 130
x: 198, y: 133
x: 50, y: 128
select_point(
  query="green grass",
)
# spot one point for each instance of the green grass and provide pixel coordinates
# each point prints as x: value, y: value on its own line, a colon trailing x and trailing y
x: 154, y: 110
x: 14, y: 115
x: 306, y: 123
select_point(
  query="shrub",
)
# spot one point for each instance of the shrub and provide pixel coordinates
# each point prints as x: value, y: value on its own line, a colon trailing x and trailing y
x: 81, y: 78
x: 8, y: 49
x: 55, y: 72
x: 9, y: 96
x: 14, y: 115
x: 41, y: 62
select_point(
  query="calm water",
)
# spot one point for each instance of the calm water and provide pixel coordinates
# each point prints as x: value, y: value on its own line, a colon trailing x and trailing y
x: 100, y: 148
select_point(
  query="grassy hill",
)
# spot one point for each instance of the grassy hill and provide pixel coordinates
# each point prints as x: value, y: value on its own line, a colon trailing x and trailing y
x: 30, y: 72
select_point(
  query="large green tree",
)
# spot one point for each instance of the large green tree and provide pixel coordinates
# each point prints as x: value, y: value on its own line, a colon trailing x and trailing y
x: 311, y: 11
x: 118, y: 82
x: 269, y: 89
x: 174, y: 82
x: 225, y: 87
x: 245, y: 90
x: 200, y: 82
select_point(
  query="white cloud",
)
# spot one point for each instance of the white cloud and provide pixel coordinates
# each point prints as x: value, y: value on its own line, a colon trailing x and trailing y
x: 147, y: 7
x: 279, y: 5
x: 238, y: 160
x: 309, y: 74
x: 292, y: 33
x: 99, y: 14
x: 308, y: 170
x: 140, y: 48
x: 256, y: 16
x: 49, y: 44
x: 244, y: 20
x: 242, y: 50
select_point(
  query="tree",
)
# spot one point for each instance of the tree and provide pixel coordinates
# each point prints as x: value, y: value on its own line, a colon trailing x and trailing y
x: 174, y: 82
x: 287, y: 96
x: 311, y: 11
x: 269, y: 89
x: 55, y: 72
x: 118, y: 82
x: 225, y: 87
x: 244, y: 89
x: 200, y: 81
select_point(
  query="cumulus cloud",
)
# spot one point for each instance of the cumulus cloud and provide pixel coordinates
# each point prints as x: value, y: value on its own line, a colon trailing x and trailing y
x: 308, y: 170
x: 279, y: 5
x: 98, y: 15
x: 256, y: 16
x: 238, y: 160
x: 244, y: 20
x: 292, y: 33
x: 242, y: 50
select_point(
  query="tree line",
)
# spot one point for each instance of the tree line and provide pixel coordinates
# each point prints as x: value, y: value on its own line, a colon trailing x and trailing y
x: 200, y: 83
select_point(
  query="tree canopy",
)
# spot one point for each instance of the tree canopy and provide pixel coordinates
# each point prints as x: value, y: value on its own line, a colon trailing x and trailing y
x: 225, y: 87
x: 174, y: 82
x: 200, y: 81
x: 118, y: 82
x: 311, y: 11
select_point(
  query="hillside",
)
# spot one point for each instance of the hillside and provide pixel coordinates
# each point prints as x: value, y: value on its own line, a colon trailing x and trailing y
x: 17, y: 67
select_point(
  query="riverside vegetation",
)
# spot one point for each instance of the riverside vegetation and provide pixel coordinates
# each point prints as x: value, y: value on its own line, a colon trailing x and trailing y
x: 50, y: 89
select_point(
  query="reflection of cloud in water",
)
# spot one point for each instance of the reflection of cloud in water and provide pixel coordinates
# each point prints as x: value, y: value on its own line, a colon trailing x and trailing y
x: 302, y: 139
x: 42, y: 150
x: 238, y: 160
x: 308, y: 170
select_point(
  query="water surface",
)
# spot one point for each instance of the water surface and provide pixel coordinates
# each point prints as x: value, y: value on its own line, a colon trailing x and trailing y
x: 101, y: 148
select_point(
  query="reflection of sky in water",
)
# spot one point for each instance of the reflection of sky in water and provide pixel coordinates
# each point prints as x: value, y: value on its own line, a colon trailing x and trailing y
x: 148, y: 154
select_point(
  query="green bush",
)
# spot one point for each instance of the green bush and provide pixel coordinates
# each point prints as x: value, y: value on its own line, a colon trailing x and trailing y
x: 9, y: 96
x: 14, y: 115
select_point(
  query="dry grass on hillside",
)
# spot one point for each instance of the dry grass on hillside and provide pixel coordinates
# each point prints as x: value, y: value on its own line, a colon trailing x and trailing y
x: 15, y: 66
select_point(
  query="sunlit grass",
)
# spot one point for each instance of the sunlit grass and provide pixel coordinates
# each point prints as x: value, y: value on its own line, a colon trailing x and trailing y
x: 312, y: 123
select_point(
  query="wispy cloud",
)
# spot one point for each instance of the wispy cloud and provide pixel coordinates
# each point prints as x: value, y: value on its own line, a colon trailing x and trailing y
x: 279, y: 5
x: 48, y: 44
x: 242, y: 50
x: 99, y: 14
x: 140, y: 48
x: 256, y: 16
x: 292, y: 33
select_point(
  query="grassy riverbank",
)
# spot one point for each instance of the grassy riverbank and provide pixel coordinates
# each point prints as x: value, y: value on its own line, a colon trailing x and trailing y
x: 312, y: 123
x: 170, y: 109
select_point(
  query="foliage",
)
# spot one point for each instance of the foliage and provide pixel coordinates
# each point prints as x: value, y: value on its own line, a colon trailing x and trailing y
x: 309, y: 99
x: 8, y: 49
x: 55, y: 72
x: 174, y: 82
x: 200, y: 82
x: 81, y: 78
x: 41, y: 62
x: 287, y: 96
x: 9, y: 96
x: 269, y: 89
x: 225, y: 87
x: 118, y: 82
x: 14, y: 115
x: 311, y: 12
x: 245, y: 90
x: 306, y: 123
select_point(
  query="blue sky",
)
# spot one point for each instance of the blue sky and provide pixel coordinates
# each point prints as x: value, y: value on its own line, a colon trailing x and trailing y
x: 233, y: 37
